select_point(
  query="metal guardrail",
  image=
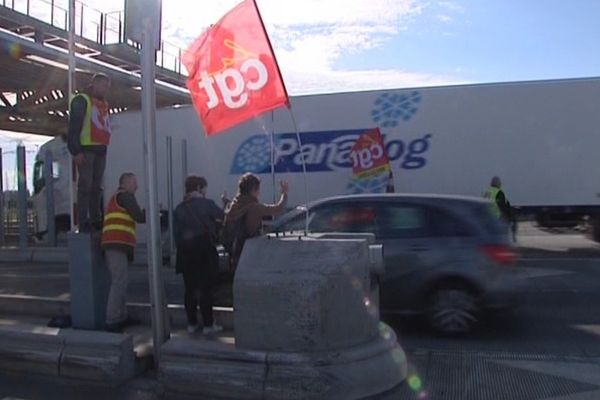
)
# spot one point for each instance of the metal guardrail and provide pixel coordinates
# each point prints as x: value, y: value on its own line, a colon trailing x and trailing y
x: 94, y: 25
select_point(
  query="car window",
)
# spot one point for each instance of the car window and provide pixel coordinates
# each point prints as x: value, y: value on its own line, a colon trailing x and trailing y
x: 339, y: 217
x: 297, y: 223
x: 351, y: 217
x: 445, y: 224
x: 403, y: 221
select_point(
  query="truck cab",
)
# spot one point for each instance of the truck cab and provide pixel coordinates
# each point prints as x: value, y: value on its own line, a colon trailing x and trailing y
x: 62, y: 199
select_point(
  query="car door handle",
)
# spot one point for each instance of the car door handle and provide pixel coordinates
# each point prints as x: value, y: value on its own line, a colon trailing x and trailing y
x: 418, y: 249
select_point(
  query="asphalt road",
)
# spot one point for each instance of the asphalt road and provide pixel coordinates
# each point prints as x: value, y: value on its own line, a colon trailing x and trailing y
x: 558, y: 319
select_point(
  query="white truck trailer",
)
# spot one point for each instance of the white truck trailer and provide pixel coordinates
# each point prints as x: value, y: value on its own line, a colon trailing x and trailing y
x: 540, y: 137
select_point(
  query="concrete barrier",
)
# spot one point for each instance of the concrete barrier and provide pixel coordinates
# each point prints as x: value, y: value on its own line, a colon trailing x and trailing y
x: 306, y: 327
x: 97, y: 356
x: 215, y: 370
x: 93, y: 356
x: 30, y: 349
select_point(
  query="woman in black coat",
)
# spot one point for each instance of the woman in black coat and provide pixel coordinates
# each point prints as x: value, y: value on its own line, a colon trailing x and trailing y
x: 196, y: 220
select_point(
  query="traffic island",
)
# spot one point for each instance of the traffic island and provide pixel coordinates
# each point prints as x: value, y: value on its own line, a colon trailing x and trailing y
x: 306, y: 327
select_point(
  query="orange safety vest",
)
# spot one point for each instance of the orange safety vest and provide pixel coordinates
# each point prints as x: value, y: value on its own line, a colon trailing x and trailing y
x: 96, y: 128
x: 119, y: 226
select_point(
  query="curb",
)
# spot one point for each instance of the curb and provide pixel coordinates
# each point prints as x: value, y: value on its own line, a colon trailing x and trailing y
x: 51, y: 255
x: 87, y: 355
x: 50, y: 307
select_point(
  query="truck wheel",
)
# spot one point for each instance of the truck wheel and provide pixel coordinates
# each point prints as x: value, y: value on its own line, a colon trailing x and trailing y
x: 452, y: 310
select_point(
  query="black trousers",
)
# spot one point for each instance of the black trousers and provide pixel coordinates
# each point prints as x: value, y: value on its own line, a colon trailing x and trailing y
x: 199, y: 264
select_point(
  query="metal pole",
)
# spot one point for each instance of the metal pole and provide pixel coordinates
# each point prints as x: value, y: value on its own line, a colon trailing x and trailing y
x: 81, y: 21
x: 71, y: 78
x: 170, y: 202
x: 184, y: 163
x: 22, y: 195
x: 1, y: 200
x: 273, y: 156
x: 160, y: 329
x: 49, y: 183
x: 162, y: 55
x: 101, y: 29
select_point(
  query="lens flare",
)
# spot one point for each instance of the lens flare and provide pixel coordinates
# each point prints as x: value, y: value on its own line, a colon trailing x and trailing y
x: 414, y: 382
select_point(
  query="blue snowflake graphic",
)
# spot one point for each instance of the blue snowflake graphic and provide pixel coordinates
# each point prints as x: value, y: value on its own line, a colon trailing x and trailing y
x: 391, y: 108
x: 254, y: 155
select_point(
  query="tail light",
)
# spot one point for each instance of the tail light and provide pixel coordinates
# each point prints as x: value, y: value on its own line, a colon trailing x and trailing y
x: 502, y: 254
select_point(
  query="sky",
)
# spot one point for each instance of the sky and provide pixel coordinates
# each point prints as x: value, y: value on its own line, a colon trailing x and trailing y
x: 346, y: 45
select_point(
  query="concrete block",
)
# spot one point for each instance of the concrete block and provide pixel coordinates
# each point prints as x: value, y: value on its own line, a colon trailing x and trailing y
x: 211, y: 369
x: 304, y: 295
x: 90, y: 281
x: 30, y: 349
x: 97, y: 356
x: 362, y: 372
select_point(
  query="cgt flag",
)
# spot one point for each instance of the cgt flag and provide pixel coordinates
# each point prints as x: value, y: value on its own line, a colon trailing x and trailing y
x: 371, y: 168
x: 233, y: 73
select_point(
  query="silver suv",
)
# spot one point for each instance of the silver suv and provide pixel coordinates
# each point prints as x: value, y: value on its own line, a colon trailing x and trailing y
x: 446, y: 256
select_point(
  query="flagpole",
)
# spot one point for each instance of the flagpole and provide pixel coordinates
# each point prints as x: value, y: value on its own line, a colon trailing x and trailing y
x: 289, y: 106
x: 262, y: 23
x: 304, y: 174
x: 71, y: 89
x: 273, y: 155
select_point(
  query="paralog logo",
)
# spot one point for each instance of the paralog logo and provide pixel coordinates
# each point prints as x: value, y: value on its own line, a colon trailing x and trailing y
x: 391, y: 108
x: 322, y: 152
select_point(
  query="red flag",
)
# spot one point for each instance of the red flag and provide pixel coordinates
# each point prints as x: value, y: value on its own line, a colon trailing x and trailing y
x: 371, y: 169
x: 233, y: 73
x: 368, y: 155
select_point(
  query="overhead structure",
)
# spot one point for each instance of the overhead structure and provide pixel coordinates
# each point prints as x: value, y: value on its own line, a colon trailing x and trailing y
x: 34, y: 64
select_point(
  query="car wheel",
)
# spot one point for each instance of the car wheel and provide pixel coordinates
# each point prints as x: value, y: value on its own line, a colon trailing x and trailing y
x: 453, y: 310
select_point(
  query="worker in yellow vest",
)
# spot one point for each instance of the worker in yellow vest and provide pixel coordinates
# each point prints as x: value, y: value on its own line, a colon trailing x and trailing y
x: 88, y: 138
x: 500, y: 205
x: 118, y: 242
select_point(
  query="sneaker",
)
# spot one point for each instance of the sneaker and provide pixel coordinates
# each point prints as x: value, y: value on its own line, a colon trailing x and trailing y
x: 192, y: 329
x: 210, y: 330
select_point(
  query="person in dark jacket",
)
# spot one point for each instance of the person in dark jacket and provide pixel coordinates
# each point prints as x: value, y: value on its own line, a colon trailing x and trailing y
x: 88, y: 137
x: 118, y: 242
x: 196, y: 222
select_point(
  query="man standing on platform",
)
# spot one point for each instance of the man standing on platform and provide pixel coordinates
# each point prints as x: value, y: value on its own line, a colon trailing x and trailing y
x: 118, y: 242
x: 88, y: 138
